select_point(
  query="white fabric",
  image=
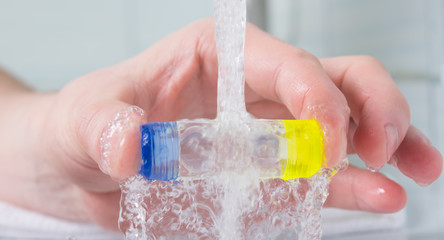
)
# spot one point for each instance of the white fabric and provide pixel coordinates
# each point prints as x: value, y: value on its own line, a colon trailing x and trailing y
x: 342, y: 222
x: 16, y: 223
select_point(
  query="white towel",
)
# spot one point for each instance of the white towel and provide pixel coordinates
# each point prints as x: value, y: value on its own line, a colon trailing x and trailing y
x: 17, y: 223
x: 345, y: 222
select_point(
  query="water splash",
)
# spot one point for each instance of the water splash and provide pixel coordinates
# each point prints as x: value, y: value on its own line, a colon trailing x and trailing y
x: 235, y: 203
x: 229, y: 206
x: 112, y: 134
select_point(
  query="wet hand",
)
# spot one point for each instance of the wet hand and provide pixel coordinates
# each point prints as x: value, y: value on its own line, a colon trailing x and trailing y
x: 94, y: 121
x: 361, y: 110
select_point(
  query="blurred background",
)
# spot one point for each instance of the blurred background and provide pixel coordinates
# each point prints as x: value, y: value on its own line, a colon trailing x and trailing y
x: 48, y: 43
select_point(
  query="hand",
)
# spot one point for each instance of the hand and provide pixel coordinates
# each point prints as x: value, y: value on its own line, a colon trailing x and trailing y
x: 285, y: 81
x: 354, y: 99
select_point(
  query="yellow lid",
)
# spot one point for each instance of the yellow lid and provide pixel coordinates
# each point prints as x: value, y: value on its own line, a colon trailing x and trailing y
x: 305, y: 148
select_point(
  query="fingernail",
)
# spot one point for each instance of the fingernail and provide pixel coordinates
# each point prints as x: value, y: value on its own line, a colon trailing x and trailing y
x: 422, y: 184
x: 113, y: 135
x: 391, y: 134
x: 343, y: 165
x: 372, y: 166
x: 339, y: 153
x: 373, y: 169
x: 342, y: 132
x: 424, y: 138
x: 393, y: 161
x: 344, y: 145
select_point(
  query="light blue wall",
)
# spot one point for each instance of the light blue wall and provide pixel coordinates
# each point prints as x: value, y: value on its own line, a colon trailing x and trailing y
x: 48, y: 43
x: 406, y: 35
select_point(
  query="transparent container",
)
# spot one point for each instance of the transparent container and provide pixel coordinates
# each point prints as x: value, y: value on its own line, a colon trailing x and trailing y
x: 286, y: 149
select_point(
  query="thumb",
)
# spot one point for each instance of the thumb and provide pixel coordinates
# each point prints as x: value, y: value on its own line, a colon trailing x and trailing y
x: 109, y: 133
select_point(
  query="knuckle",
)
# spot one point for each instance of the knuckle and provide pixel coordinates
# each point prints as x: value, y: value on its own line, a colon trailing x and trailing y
x: 202, y: 24
x: 370, y: 61
x: 302, y: 54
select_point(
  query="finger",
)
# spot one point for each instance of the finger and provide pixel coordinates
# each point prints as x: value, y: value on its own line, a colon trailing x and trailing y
x: 351, y: 133
x: 417, y: 158
x: 109, y: 132
x: 359, y: 189
x: 284, y: 73
x: 178, y: 73
x: 378, y: 108
x: 269, y: 110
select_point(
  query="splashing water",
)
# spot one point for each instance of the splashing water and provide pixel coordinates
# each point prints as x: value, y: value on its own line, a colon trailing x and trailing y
x: 236, y: 203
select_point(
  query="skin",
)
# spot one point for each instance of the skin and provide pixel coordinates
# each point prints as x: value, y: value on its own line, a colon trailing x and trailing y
x: 55, y: 157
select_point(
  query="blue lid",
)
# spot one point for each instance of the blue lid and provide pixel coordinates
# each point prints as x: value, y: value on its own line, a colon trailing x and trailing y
x: 160, y: 151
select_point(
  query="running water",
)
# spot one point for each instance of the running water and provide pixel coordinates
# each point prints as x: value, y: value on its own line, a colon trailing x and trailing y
x: 230, y: 20
x: 235, y: 203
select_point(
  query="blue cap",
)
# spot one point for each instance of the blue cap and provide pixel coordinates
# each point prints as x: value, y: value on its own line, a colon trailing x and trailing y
x: 160, y: 151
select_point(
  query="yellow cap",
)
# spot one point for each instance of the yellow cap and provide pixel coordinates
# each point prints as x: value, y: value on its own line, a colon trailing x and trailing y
x: 305, y: 148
